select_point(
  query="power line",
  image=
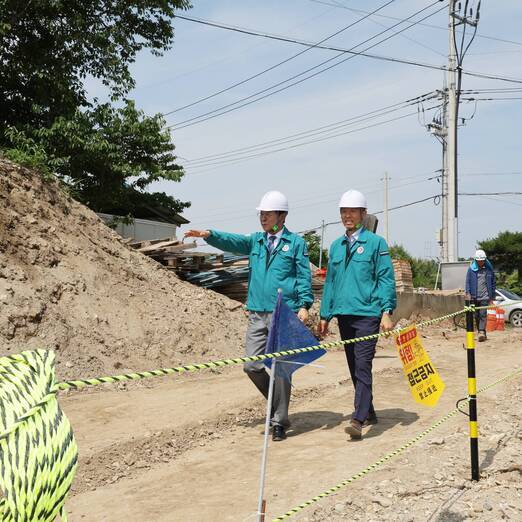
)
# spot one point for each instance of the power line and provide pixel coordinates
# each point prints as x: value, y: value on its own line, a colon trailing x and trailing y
x: 271, y: 68
x: 310, y: 45
x: 490, y: 193
x: 435, y: 200
x: 293, y: 207
x: 318, y: 130
x: 234, y: 106
x: 501, y: 200
x: 492, y: 99
x: 260, y: 154
x: 432, y: 26
x: 346, y: 51
x: 494, y: 91
x: 400, y: 185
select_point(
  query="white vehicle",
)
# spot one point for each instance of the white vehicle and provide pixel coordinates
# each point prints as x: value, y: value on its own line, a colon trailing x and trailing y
x: 512, y: 305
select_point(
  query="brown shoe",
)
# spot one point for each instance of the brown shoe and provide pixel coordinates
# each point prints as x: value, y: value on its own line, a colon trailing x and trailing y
x: 354, y: 429
x: 482, y: 337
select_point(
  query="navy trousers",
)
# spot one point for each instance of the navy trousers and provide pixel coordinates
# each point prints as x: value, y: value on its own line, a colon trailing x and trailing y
x: 360, y: 358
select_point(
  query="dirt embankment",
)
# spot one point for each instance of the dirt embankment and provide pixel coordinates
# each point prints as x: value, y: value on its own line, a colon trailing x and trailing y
x: 68, y: 283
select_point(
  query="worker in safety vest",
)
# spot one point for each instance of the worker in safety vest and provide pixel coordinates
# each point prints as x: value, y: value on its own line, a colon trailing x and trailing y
x: 360, y: 292
x: 278, y: 259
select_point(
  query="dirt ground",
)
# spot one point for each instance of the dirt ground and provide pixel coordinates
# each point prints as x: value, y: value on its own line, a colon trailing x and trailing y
x: 189, y: 448
x: 68, y: 283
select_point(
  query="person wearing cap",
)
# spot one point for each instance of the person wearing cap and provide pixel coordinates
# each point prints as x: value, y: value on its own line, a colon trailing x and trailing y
x: 278, y: 259
x: 480, y: 288
x: 359, y: 291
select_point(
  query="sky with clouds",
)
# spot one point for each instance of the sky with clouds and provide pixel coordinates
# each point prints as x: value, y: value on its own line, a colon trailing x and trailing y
x: 224, y: 191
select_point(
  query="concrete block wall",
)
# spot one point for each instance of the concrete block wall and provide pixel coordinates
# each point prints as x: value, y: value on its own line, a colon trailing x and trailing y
x: 429, y: 305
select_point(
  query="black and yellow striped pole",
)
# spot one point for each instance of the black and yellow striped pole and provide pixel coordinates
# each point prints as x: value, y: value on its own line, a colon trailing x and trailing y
x: 472, y: 391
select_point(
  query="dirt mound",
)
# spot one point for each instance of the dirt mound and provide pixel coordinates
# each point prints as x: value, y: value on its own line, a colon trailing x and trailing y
x: 68, y: 283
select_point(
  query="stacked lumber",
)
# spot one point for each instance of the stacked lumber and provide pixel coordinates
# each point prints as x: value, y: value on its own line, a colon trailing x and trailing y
x: 224, y: 273
x: 227, y: 273
x: 174, y: 255
x: 403, y: 275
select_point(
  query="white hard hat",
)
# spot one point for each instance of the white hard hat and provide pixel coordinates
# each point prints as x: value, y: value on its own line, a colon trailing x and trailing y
x: 273, y: 200
x: 480, y: 255
x: 353, y: 199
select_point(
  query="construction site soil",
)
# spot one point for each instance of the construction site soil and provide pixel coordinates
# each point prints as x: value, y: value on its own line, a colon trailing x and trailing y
x: 188, y: 447
x: 69, y: 283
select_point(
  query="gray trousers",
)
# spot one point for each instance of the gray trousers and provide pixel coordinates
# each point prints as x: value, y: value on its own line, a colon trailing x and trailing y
x: 256, y: 338
x: 481, y: 316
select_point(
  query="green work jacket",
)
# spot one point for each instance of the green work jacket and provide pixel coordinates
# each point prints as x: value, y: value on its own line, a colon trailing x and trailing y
x: 359, y: 279
x: 287, y: 268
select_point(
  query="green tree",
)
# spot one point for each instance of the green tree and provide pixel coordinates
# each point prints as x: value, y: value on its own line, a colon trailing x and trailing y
x: 399, y: 252
x: 313, y: 241
x: 505, y: 252
x: 47, y: 50
x: 424, y: 271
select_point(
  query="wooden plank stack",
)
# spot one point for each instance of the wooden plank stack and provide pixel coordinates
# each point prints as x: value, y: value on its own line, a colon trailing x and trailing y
x: 403, y: 275
x: 228, y: 274
x: 174, y: 254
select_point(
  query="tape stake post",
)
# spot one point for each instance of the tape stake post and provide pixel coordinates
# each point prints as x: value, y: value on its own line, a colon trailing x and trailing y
x: 472, y: 392
x: 261, y: 506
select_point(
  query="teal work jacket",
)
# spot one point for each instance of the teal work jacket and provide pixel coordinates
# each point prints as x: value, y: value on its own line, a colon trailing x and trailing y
x: 287, y: 268
x: 359, y: 280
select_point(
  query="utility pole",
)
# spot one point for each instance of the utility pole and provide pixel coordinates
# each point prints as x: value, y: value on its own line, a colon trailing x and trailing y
x: 455, y: 59
x: 451, y: 156
x: 444, y: 178
x: 438, y: 128
x: 321, y: 245
x: 386, y: 213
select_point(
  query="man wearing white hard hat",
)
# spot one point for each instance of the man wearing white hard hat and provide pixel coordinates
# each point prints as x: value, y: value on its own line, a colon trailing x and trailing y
x: 360, y: 292
x: 480, y: 288
x: 278, y: 260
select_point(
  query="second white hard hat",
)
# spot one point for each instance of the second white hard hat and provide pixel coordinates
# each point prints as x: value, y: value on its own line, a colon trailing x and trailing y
x: 353, y: 199
x: 273, y: 200
x: 480, y: 255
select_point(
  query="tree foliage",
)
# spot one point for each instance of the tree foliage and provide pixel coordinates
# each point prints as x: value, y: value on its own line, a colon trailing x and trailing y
x: 48, y: 48
x: 424, y: 271
x: 505, y: 252
x: 313, y: 241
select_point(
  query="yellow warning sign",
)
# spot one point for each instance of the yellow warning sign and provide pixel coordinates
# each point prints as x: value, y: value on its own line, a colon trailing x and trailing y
x: 425, y: 383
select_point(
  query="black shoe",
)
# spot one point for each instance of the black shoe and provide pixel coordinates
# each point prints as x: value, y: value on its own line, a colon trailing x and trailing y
x: 371, y: 419
x: 278, y: 433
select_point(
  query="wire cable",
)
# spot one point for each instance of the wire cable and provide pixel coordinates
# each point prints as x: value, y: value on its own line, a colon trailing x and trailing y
x: 248, y: 99
x: 336, y: 49
x: 432, y: 26
x: 315, y: 131
x: 317, y: 140
x: 271, y: 68
x: 435, y: 199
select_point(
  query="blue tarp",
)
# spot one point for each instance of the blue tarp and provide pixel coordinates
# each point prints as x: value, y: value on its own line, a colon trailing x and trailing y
x: 288, y: 332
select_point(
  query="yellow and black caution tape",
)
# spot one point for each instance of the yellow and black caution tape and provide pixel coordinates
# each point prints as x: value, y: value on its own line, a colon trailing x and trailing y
x: 82, y: 383
x: 386, y: 457
x: 38, y: 453
x: 494, y: 305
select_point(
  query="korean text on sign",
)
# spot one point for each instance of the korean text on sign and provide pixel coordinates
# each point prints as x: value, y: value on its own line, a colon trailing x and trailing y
x: 425, y: 383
